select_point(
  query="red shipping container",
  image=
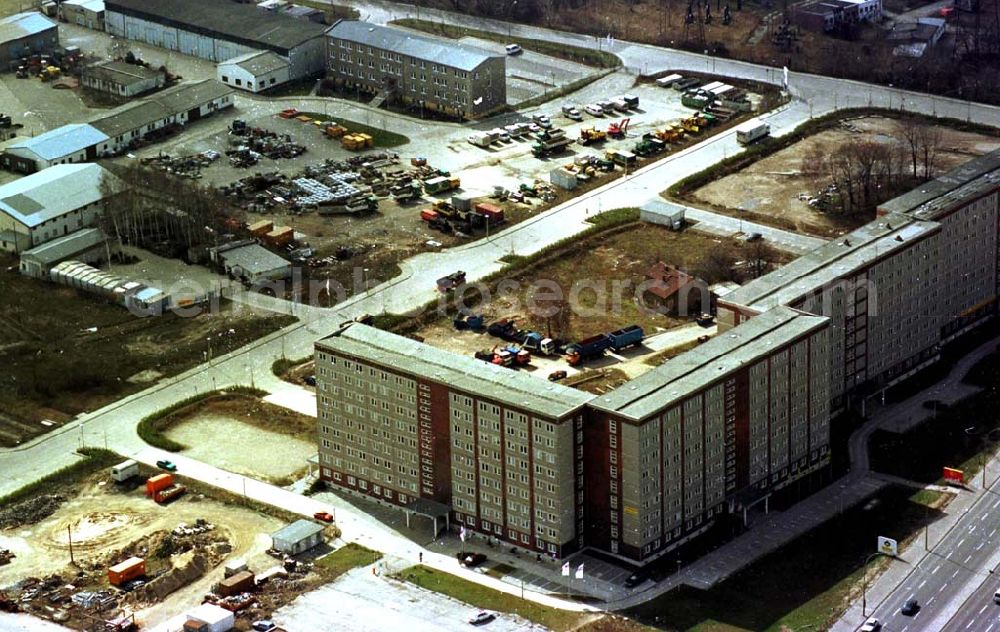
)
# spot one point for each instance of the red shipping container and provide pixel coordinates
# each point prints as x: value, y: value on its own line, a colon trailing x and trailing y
x: 126, y: 571
x: 158, y: 482
x: 492, y: 212
x: 428, y: 215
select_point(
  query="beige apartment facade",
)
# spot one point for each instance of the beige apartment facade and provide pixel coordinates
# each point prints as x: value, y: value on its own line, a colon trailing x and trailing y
x: 452, y: 78
x: 401, y: 421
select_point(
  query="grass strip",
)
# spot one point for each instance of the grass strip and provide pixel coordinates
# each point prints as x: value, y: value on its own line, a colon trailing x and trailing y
x: 94, y: 459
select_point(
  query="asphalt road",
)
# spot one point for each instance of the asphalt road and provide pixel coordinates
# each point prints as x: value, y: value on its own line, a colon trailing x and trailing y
x: 955, y: 567
x: 980, y: 612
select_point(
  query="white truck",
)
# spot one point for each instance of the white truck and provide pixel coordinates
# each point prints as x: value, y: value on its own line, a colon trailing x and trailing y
x: 482, y: 139
x: 751, y: 131
x: 124, y: 471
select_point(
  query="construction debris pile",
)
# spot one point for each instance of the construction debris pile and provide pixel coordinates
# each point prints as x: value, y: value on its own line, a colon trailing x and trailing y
x: 188, y: 166
x: 6, y: 556
x: 30, y: 511
x: 250, y: 144
x: 341, y: 186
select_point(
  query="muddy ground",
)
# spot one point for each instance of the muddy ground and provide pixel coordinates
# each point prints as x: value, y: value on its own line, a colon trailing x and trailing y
x: 770, y: 188
x: 65, y: 352
x: 107, y: 523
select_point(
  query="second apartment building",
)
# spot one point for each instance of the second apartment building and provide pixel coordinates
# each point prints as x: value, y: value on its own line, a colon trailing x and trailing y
x: 448, y: 77
x: 401, y: 421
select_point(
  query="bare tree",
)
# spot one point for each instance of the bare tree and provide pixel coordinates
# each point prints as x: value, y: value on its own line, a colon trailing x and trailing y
x: 929, y: 141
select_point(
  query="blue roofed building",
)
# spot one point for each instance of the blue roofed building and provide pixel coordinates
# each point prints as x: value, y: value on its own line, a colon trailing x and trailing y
x: 78, y: 142
x: 26, y: 34
x: 51, y: 203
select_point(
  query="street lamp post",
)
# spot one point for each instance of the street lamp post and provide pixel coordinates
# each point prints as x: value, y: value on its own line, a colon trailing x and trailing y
x: 864, y: 584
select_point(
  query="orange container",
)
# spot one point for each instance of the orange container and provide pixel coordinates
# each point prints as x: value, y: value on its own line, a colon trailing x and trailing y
x: 126, y: 571
x: 428, y: 215
x: 158, y: 482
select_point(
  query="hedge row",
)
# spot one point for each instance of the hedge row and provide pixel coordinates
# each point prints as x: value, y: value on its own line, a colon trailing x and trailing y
x: 94, y: 459
x: 152, y: 427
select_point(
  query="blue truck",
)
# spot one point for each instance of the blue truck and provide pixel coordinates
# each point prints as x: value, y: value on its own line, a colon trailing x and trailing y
x: 535, y: 341
x: 587, y: 349
x: 626, y: 337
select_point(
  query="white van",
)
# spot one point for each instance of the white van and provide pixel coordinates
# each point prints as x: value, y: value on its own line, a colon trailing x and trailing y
x: 752, y: 131
x: 513, y: 49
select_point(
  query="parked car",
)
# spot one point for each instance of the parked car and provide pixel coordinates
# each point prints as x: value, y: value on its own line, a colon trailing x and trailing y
x: 263, y: 625
x: 871, y: 625
x: 310, y: 380
x: 555, y: 376
x: 471, y: 560
x: 482, y: 618
x: 910, y: 608
x: 513, y: 49
x: 753, y: 237
x: 325, y: 516
x: 593, y: 109
x: 571, y: 112
x: 996, y: 597
x: 542, y: 120
x: 166, y: 465
x: 635, y: 579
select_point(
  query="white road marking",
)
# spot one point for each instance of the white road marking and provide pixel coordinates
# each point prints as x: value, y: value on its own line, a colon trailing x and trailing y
x: 967, y: 559
x: 985, y: 516
x: 991, y: 626
x: 943, y: 586
x: 955, y: 574
x: 960, y: 543
x: 993, y: 532
x: 969, y: 625
x: 929, y: 602
x: 921, y: 584
x: 972, y: 529
x: 980, y: 545
x: 996, y: 504
x: 983, y: 609
x: 936, y: 569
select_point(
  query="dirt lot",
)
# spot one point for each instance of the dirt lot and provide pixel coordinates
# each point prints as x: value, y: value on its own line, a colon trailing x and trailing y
x: 55, y: 366
x: 108, y: 522
x: 289, y: 436
x: 613, y: 264
x: 770, y: 188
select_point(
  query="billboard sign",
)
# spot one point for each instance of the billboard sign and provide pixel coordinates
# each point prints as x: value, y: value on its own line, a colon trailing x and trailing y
x: 888, y: 546
x: 953, y: 476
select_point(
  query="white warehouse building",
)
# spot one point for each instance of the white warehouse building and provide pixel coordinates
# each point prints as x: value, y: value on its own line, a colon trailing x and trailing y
x: 219, y: 30
x: 254, y: 72
x: 49, y: 204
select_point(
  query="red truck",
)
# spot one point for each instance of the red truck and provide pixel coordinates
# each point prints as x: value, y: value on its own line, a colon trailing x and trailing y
x: 161, y: 488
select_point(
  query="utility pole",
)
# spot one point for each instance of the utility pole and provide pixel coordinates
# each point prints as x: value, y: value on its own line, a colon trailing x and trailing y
x: 69, y: 535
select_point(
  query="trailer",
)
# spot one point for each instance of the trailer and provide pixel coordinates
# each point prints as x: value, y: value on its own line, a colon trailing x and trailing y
x: 124, y: 471
x: 751, y: 131
x: 669, y: 80
x: 630, y: 336
x: 126, y: 571
x: 587, y: 349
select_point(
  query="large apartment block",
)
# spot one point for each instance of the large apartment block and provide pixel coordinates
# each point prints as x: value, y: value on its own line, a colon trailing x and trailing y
x: 453, y: 78
x: 402, y: 421
x: 897, y: 288
x: 707, y: 433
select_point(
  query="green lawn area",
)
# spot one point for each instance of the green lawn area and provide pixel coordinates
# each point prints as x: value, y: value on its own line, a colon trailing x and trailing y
x: 598, y: 59
x: 381, y: 137
x: 345, y: 558
x: 941, y: 441
x: 804, y: 586
x: 489, y: 599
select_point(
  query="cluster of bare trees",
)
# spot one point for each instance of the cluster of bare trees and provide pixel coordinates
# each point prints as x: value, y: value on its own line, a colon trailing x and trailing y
x: 863, y: 173
x: 149, y: 208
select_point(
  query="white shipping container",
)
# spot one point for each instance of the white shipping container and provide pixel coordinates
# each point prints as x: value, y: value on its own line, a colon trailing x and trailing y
x: 124, y: 471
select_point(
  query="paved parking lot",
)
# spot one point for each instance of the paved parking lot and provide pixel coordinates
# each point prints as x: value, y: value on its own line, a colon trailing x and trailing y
x: 376, y: 604
x: 530, y: 74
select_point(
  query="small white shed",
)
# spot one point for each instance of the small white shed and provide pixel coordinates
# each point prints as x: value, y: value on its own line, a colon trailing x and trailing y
x: 254, y: 72
x: 297, y: 537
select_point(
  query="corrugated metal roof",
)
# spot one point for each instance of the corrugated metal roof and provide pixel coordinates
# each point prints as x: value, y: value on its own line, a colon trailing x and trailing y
x: 457, y: 371
x: 156, y: 107
x: 97, y: 6
x: 119, y: 72
x: 297, y: 531
x: 259, y: 63
x: 65, y: 247
x: 254, y: 259
x: 223, y: 19
x: 17, y: 26
x: 688, y: 373
x: 447, y: 53
x: 52, y: 192
x: 62, y: 141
